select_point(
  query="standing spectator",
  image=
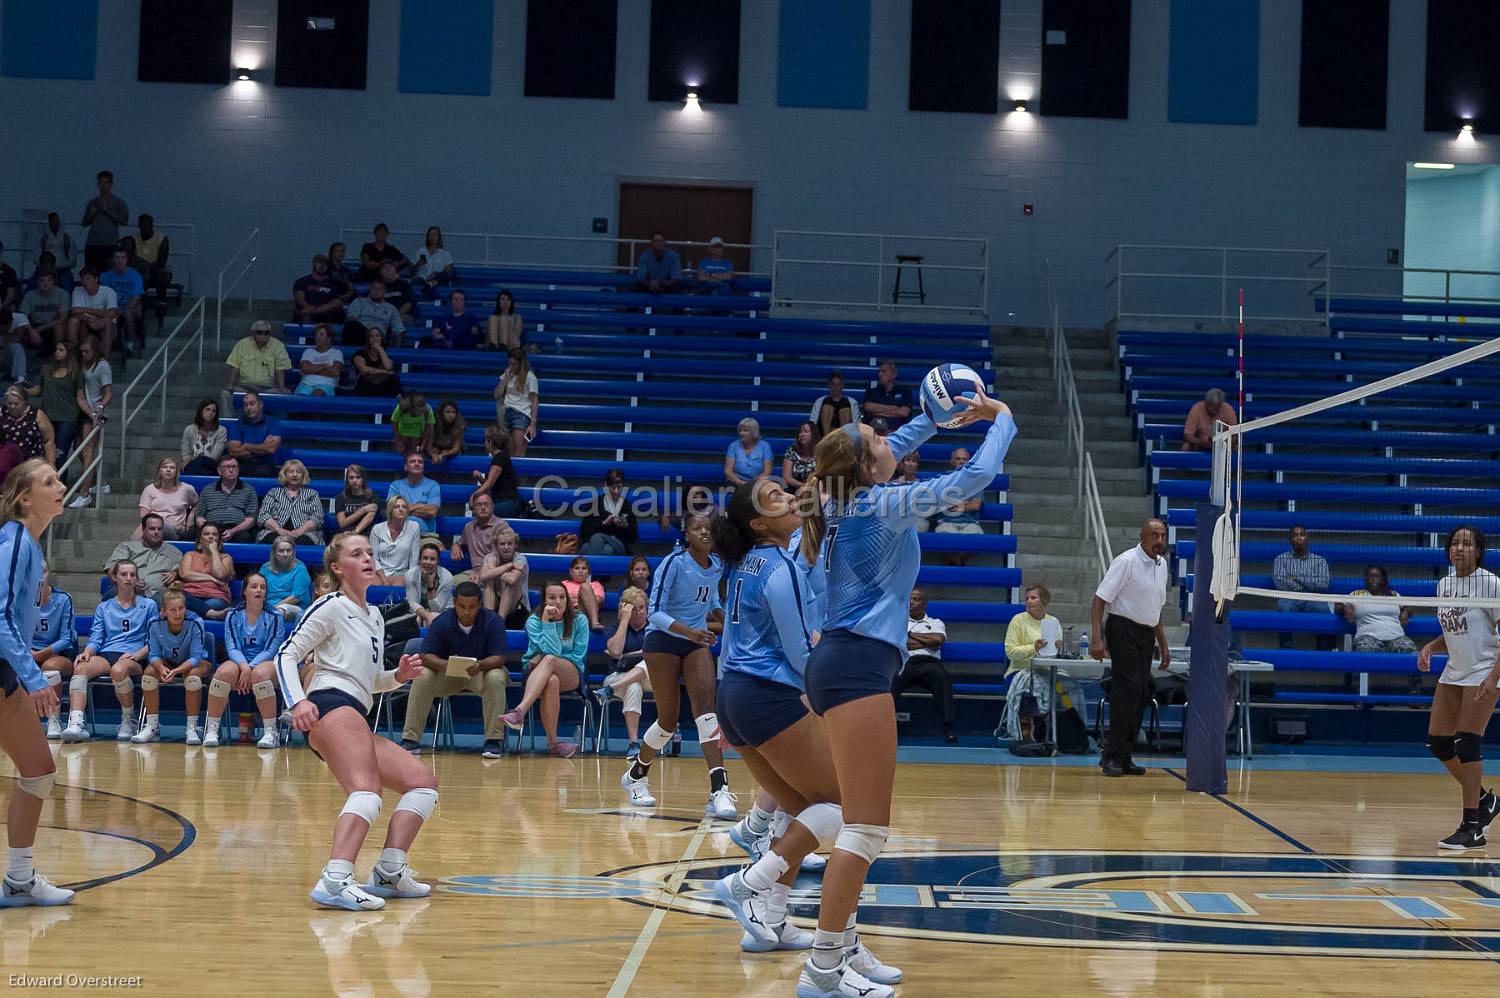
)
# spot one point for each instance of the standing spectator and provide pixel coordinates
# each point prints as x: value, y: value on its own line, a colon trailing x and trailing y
x: 797, y: 463
x: 170, y: 498
x: 357, y: 505
x: 660, y: 269
x: 288, y: 586
x: 925, y: 637
x: 320, y: 364
x: 430, y: 591
x: 1198, y: 429
x: 627, y: 667
x: 557, y: 641
x: 59, y: 243
x: 46, y: 309
x: 228, y: 503
x: 259, y: 361
x: 611, y: 529
x: 398, y: 294
x: 338, y: 270
x: 375, y: 372
x: 467, y: 630
x: 505, y: 579
x: 715, y: 271
x: 447, y: 434
x: 373, y: 312
x: 434, y: 264
x: 93, y: 310
x: 1378, y: 627
x: 1301, y: 571
x: 155, y: 250
x: 480, y: 535
x: 10, y: 283
x: 585, y: 591
x: 423, y: 496
x: 748, y: 456
x: 203, y: 441
x: 317, y: 296
x: 26, y: 426
x: 1133, y: 590
x: 499, y: 480
x: 378, y: 251
x: 516, y: 402
x: 455, y: 329
x: 205, y: 573
x: 103, y: 215
x: 255, y: 437
x: 888, y: 400
x: 396, y: 543
x: 154, y: 563
x: 411, y: 424
x: 504, y: 329
x: 291, y: 511
x: 130, y: 295
x: 94, y: 396
x: 61, y: 381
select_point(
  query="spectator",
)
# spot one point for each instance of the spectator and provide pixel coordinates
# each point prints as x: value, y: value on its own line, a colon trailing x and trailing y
x: 749, y: 456
x: 16, y: 335
x: 434, y: 264
x: 467, y: 630
x: 156, y: 252
x: 797, y: 463
x: 153, y: 564
x: 291, y: 511
x: 925, y: 637
x: 116, y: 647
x: 611, y: 529
x: 46, y: 263
x: 178, y: 647
x: 1300, y: 571
x: 963, y: 516
x: 627, y: 667
x: 888, y: 400
x: 26, y: 426
x: 259, y: 361
x: 133, y: 259
x: 339, y: 272
x: 93, y: 397
x: 480, y: 534
x: 455, y: 329
x: 397, y: 544
x: 660, y: 269
x: 504, y: 329
x: 203, y: 441
x: 1024, y: 641
x: 55, y: 640
x: 1198, y: 429
x: 317, y: 296
x: 130, y: 293
x: 1378, y: 627
x: 252, y: 637
x: 103, y: 215
x: 205, y: 573
x: 321, y: 365
x: 447, y: 434
x: 423, y: 496
x: 59, y: 243
x: 288, y: 586
x: 375, y: 372
x: 61, y: 381
x: 411, y: 424
x: 10, y: 283
x: 906, y: 473
x: 378, y: 251
x: 430, y: 590
x: 586, y: 593
x: 638, y: 574
x: 357, y: 506
x: 46, y: 308
x: 557, y: 641
x: 516, y: 402
x: 255, y: 438
x: 228, y: 503
x: 834, y: 409
x: 505, y: 579
x: 695, y: 500
x: 398, y: 294
x: 93, y: 311
x: 499, y: 481
x: 170, y: 498
x: 715, y: 271
x: 373, y: 312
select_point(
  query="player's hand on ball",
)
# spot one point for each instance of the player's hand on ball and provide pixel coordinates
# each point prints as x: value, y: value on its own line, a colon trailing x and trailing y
x: 981, y: 406
x: 304, y: 716
x: 409, y: 668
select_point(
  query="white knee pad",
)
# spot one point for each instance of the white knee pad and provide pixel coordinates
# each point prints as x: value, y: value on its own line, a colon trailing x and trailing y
x: 363, y: 804
x: 124, y: 687
x: 78, y: 685
x: 631, y: 701
x: 53, y: 677
x: 193, y: 684
x: 421, y: 801
x: 864, y: 841
x: 656, y: 736
x: 708, y: 728
x: 39, y: 787
x: 218, y: 688
x: 264, y: 690
x: 149, y: 683
x: 824, y: 821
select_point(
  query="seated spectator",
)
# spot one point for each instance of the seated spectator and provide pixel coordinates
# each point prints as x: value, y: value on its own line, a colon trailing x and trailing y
x: 253, y: 634
x: 715, y: 271
x: 397, y: 544
x: 398, y: 294
x: 203, y: 440
x: 379, y: 251
x: 133, y: 259
x: 228, y: 504
x: 58, y: 243
x: 660, y: 269
x: 357, y: 505
x: 586, y: 593
x: 467, y: 630
x: 504, y: 579
x: 925, y: 637
x: 320, y: 364
x: 963, y: 516
x: 1301, y: 571
x: 317, y: 296
x: 1024, y: 641
x: 611, y: 529
x: 60, y: 383
x: 27, y: 428
x: 516, y: 402
x: 557, y: 642
x: 627, y: 666
x: 153, y: 565
x: 749, y: 456
x: 93, y: 311
x: 479, y: 534
x: 103, y: 215
x: 906, y: 472
x: 375, y: 372
x: 46, y: 263
x: 255, y: 438
x: 288, y: 584
x: 116, y: 647
x: 205, y: 573
x: 797, y: 463
x: 93, y: 398
x: 430, y: 590
x: 15, y: 336
x: 455, y: 329
x: 1378, y: 627
x: 499, y: 480
x: 10, y: 283
x: 638, y: 574
x: 47, y: 308
x: 130, y: 292
x: 178, y: 647
x: 411, y: 424
x: 155, y: 250
x: 339, y: 272
x: 423, y: 496
x: 434, y: 264
x: 695, y: 500
x: 54, y: 642
x: 373, y: 312
x: 447, y: 434
x: 291, y: 511
x: 170, y: 498
x: 504, y: 329
x: 1198, y: 428
x: 259, y: 361
x: 888, y: 400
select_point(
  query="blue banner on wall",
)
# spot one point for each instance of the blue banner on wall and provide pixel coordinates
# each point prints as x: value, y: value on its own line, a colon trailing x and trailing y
x: 49, y: 39
x: 445, y: 46
x: 824, y: 54
x: 1214, y: 65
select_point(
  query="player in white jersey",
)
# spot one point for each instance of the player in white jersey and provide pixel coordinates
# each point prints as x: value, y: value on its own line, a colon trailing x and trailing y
x: 348, y: 637
x: 1466, y: 690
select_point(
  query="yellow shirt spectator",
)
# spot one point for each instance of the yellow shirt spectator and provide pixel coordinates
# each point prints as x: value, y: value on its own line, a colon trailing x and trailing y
x: 259, y: 361
x: 1021, y: 638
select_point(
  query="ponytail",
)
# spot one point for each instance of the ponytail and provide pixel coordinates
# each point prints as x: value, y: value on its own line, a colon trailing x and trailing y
x: 838, y: 469
x: 813, y: 524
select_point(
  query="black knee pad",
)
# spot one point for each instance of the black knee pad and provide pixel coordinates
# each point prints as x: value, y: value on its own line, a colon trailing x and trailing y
x: 1466, y: 746
x: 1441, y: 747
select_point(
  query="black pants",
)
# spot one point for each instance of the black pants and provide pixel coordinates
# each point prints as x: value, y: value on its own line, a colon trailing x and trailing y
x: 928, y: 673
x: 1131, y: 646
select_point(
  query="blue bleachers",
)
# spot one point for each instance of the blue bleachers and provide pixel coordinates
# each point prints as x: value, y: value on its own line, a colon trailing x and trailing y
x: 1335, y: 464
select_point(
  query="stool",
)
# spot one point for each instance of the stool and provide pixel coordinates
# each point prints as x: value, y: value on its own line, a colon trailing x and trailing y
x: 920, y: 294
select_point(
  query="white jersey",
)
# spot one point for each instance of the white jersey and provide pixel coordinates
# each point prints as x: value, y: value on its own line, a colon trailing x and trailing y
x: 1473, y: 644
x: 350, y: 648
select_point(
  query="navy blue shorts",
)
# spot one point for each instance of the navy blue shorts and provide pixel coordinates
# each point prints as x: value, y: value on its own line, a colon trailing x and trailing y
x: 662, y: 643
x: 753, y: 710
x: 328, y: 701
x: 9, y: 681
x: 845, y: 666
x: 111, y: 656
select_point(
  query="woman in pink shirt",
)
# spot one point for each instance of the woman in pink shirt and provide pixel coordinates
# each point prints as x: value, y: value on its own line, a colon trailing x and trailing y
x: 585, y: 593
x: 169, y: 498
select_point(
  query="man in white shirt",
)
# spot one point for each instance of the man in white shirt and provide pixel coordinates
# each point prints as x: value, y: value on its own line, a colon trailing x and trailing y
x: 925, y: 637
x: 93, y: 310
x: 1133, y: 591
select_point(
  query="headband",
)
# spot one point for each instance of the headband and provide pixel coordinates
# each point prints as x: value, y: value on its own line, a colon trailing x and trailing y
x: 851, y: 430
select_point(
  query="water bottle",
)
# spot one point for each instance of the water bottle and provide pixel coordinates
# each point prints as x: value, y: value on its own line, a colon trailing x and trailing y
x: 1083, y: 645
x: 247, y: 721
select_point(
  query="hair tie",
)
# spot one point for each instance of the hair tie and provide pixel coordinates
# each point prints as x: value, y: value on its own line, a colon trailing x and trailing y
x: 851, y: 430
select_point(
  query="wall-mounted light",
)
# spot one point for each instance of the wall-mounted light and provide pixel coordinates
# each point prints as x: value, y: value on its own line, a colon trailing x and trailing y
x: 1021, y: 107
x: 242, y: 73
x: 691, y: 103
x: 1467, y: 126
x: 1432, y: 166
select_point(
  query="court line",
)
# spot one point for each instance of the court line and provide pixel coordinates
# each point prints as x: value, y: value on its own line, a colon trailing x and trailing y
x: 1289, y: 840
x: 643, y: 942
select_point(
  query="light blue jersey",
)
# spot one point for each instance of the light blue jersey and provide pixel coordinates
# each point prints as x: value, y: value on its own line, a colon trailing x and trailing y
x: 683, y: 592
x: 117, y: 629
x: 248, y: 645
x: 870, y: 551
x: 21, y: 560
x: 55, y: 628
x: 189, y: 646
x: 766, y: 631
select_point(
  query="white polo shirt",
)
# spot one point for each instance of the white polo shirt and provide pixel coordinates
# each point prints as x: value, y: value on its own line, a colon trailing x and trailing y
x: 927, y: 625
x: 1135, y: 587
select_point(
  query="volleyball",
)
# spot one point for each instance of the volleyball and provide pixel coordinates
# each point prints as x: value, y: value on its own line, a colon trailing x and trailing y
x: 943, y: 386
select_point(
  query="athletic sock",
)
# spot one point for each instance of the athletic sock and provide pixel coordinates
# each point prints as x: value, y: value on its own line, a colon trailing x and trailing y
x: 718, y: 779
x: 391, y: 860
x: 18, y: 868
x: 212, y: 724
x: 153, y: 721
x: 763, y: 874
x: 338, y: 870
x: 758, y: 821
x: 639, y: 770
x: 776, y: 904
x: 1471, y: 816
x: 851, y: 934
x: 828, y: 949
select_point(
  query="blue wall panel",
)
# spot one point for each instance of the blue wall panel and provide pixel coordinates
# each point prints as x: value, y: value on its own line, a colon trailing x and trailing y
x: 825, y: 54
x: 49, y: 39
x: 445, y: 46
x: 1214, y: 64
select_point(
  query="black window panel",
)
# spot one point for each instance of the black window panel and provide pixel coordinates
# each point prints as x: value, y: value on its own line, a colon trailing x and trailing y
x: 695, y: 44
x: 570, y: 48
x: 1345, y: 50
x: 334, y: 59
x: 1463, y: 73
x: 1089, y: 75
x: 955, y: 56
x: 185, y: 41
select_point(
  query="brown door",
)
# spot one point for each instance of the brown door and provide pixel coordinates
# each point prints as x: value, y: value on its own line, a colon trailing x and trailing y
x: 686, y: 213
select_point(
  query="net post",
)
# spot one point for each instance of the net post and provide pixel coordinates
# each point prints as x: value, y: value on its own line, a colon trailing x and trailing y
x: 1220, y: 466
x: 1208, y: 675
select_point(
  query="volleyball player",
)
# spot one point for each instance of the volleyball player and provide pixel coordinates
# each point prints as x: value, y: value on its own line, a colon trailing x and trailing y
x: 1465, y: 694
x: 253, y: 633
x: 32, y: 499
x: 348, y: 637
x: 865, y: 535
x: 179, y: 649
x: 678, y: 637
x: 53, y: 642
x: 117, y: 647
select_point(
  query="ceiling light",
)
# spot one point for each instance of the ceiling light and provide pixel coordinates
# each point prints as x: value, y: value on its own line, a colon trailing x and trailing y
x: 1432, y: 166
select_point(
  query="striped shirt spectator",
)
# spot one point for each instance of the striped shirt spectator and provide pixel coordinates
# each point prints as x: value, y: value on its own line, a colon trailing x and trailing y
x: 229, y: 503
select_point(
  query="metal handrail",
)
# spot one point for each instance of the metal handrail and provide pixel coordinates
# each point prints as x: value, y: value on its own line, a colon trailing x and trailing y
x: 254, y: 255
x: 1319, y: 260
x: 128, y: 415
x: 182, y: 234
x: 94, y: 468
x: 1096, y: 527
x: 882, y: 263
x: 1086, y: 486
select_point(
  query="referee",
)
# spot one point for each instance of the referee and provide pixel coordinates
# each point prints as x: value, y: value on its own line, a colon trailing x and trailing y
x: 1134, y: 591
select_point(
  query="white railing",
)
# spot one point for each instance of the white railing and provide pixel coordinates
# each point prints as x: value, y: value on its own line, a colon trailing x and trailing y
x: 192, y: 326
x: 1173, y: 284
x: 1086, y: 493
x: 1450, y: 285
x: 861, y: 270
x: 22, y: 238
x: 244, y: 258
x: 95, y: 437
x: 1096, y: 527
